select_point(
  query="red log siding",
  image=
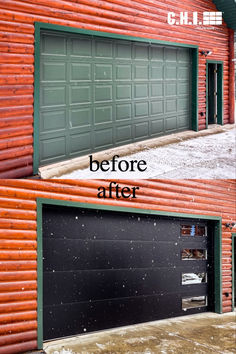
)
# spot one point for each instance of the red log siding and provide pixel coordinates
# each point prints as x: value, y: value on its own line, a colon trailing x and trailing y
x: 142, y: 18
x: 18, y: 245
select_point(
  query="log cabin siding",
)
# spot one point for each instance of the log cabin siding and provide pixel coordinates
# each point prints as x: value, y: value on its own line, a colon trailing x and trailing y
x: 140, y: 18
x: 18, y: 237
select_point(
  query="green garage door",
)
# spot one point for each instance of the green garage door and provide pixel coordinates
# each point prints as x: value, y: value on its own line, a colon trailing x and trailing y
x: 97, y: 93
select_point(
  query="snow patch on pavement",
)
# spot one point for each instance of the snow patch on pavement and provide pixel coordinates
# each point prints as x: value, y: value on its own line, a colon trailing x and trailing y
x: 63, y: 351
x: 230, y: 325
x: 100, y: 346
x: 139, y: 340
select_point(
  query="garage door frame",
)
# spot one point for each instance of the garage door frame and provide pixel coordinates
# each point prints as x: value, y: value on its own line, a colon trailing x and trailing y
x: 46, y: 26
x: 220, y: 91
x: 44, y: 201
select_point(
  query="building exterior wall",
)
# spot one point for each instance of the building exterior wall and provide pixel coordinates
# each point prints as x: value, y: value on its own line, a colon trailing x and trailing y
x: 18, y: 237
x: 133, y: 18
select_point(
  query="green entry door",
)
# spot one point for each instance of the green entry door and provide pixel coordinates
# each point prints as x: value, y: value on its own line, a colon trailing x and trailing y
x: 97, y: 93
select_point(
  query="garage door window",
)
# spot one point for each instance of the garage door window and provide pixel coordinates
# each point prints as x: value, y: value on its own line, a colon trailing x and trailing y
x: 193, y: 230
x: 193, y: 302
x: 193, y: 254
x: 194, y: 278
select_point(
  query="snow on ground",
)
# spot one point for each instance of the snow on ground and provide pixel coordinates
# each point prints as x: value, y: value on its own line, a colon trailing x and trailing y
x: 211, y: 156
x: 63, y: 351
x: 229, y: 325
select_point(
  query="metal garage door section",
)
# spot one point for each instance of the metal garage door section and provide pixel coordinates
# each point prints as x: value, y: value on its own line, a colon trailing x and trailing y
x: 103, y: 269
x: 97, y: 93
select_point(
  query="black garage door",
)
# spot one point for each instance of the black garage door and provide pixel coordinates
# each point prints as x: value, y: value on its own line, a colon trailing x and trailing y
x: 103, y: 269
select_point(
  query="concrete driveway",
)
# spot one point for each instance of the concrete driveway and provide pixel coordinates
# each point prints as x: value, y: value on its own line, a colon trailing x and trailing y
x: 201, y: 333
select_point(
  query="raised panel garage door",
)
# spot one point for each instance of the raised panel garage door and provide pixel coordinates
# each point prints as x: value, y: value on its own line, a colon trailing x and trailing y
x: 104, y: 269
x: 97, y: 93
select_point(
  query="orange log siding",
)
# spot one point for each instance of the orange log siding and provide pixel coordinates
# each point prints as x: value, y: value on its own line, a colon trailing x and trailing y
x: 18, y: 245
x: 141, y: 18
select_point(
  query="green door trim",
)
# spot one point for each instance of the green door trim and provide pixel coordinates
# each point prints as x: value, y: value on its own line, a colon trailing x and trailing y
x: 41, y: 201
x: 233, y: 270
x: 47, y: 26
x: 220, y: 101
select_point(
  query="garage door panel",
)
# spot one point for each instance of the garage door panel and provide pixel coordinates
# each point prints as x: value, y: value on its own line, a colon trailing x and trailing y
x: 53, y: 121
x: 81, y: 46
x: 157, y: 53
x: 140, y: 130
x: 123, y: 92
x: 103, y: 138
x: 81, y: 72
x: 123, y: 50
x: 123, y: 72
x: 123, y: 133
x: 183, y: 121
x: 53, y: 44
x: 79, y: 223
x: 102, y: 93
x: 183, y: 56
x: 171, y: 89
x: 157, y: 71
x: 103, y: 114
x: 140, y: 91
x: 80, y: 117
x: 86, y: 317
x: 183, y: 73
x: 80, y: 141
x: 84, y: 73
x: 103, y: 48
x: 171, y: 105
x: 170, y: 72
x: 184, y: 88
x: 103, y: 72
x: 183, y: 104
x: 170, y: 123
x: 54, y: 71
x: 140, y: 72
x: 157, y: 90
x: 170, y: 54
x: 53, y: 96
x: 53, y: 147
x: 81, y: 94
x: 108, y: 284
x: 123, y: 111
x: 141, y: 109
x: 78, y: 254
x: 157, y: 126
x: 140, y: 51
x: 157, y: 108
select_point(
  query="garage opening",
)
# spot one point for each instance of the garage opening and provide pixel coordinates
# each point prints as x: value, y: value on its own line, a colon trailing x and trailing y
x: 104, y: 269
x: 97, y: 93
